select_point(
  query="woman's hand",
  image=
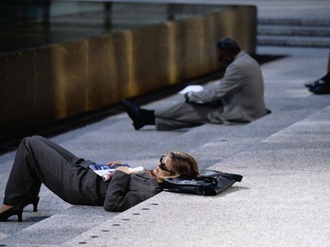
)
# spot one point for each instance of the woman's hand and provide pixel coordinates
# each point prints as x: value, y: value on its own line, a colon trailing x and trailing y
x: 114, y: 163
x: 125, y: 169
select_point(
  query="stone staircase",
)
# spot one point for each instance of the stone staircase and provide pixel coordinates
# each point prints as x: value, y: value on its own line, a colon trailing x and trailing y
x: 294, y: 32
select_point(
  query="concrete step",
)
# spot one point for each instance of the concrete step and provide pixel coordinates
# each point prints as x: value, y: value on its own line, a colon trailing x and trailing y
x: 317, y: 42
x: 295, y: 22
x: 294, y: 32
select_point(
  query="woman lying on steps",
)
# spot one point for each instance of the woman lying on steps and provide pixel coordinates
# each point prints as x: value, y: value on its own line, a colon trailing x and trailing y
x: 40, y: 161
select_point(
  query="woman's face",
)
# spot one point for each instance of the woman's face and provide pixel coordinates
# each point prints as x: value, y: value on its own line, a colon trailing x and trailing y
x: 164, y: 167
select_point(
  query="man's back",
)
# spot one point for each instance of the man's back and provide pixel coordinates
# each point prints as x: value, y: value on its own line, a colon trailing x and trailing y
x: 245, y: 95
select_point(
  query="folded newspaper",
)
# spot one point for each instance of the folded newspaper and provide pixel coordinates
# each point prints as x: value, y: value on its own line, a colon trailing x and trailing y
x: 192, y: 88
x: 106, y: 171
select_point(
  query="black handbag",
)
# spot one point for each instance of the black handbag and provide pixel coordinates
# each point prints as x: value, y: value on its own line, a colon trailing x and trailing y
x: 210, y: 183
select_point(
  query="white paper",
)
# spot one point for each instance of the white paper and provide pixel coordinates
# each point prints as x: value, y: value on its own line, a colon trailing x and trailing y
x: 192, y: 88
x: 106, y: 171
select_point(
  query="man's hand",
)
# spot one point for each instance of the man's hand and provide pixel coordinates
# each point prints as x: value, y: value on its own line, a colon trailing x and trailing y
x: 186, y: 96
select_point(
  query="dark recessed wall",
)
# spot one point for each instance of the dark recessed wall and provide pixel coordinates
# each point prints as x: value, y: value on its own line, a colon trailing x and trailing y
x: 49, y: 83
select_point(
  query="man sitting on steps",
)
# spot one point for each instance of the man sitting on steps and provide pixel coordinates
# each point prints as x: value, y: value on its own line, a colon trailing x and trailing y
x: 238, y: 97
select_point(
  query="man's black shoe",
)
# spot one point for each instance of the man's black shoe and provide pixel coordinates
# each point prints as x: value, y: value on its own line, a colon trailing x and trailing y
x: 314, y: 84
x: 321, y: 89
x: 323, y: 80
x: 133, y: 112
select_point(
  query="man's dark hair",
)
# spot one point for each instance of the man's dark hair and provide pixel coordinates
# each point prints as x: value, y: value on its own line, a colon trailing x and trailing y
x: 228, y: 46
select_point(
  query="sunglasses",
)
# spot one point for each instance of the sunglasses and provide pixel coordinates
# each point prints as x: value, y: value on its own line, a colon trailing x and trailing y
x: 162, y: 165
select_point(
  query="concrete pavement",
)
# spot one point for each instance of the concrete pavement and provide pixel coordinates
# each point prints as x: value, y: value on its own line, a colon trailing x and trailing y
x: 283, y: 199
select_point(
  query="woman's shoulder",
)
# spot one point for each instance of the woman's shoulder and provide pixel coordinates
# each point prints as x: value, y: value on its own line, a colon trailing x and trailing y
x: 144, y: 178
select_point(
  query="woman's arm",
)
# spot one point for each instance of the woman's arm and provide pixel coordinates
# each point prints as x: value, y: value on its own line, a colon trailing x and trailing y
x: 123, y: 194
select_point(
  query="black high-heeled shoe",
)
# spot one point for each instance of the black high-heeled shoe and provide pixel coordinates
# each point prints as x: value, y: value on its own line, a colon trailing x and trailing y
x: 15, y: 210
x: 33, y: 201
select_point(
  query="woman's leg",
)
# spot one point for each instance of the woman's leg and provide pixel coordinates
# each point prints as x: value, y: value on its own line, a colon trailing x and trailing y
x: 39, y: 160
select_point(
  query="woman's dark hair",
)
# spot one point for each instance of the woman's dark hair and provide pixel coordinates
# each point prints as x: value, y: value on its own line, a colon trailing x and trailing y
x: 183, y: 164
x: 228, y: 46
